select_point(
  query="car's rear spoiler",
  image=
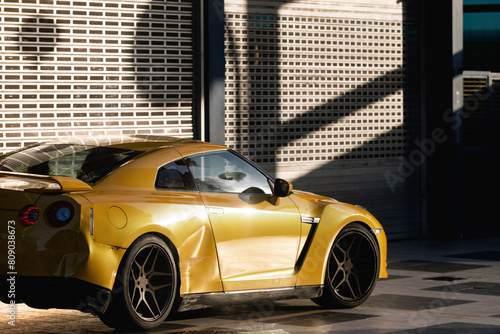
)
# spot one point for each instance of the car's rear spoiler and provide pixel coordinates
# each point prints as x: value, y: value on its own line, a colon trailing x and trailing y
x: 41, y: 183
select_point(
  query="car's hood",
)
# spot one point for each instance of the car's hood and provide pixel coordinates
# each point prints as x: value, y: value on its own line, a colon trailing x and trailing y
x: 311, y: 205
x: 315, y: 197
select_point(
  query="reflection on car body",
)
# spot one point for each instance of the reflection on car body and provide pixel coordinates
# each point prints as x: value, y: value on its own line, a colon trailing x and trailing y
x: 133, y: 228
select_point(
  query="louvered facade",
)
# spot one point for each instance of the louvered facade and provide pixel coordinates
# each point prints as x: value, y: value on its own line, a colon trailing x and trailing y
x: 325, y: 94
x: 70, y: 68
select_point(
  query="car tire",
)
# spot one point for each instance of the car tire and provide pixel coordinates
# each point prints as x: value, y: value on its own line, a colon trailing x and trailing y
x: 352, y: 269
x: 146, y: 288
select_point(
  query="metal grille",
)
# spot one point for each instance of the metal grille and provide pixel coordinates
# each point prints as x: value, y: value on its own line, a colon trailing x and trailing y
x: 70, y: 68
x: 325, y: 93
x: 318, y: 81
x: 476, y: 105
x: 481, y: 111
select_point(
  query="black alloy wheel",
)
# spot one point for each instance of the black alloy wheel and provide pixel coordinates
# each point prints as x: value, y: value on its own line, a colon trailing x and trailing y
x: 146, y: 289
x: 352, y: 269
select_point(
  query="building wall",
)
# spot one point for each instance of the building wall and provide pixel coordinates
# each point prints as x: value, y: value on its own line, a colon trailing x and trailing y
x: 70, y: 68
x: 326, y: 94
x: 481, y: 153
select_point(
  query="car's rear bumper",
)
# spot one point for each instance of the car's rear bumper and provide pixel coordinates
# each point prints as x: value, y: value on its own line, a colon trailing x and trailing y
x: 55, y: 292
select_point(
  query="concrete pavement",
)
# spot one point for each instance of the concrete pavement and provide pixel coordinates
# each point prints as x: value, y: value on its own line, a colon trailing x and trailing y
x: 434, y: 287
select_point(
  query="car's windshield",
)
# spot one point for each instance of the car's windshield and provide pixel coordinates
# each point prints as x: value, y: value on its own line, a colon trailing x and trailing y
x: 88, y: 163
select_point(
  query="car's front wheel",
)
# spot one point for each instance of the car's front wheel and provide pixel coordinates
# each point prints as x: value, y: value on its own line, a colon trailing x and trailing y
x: 146, y: 287
x: 352, y: 269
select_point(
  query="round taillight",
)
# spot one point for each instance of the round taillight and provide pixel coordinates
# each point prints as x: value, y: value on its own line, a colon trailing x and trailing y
x: 60, y: 213
x: 29, y: 215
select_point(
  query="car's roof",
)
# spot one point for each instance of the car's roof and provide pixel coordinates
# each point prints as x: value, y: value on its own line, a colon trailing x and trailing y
x: 142, y: 143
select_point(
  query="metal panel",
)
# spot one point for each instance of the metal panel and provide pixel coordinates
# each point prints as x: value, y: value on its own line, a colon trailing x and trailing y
x: 70, y: 68
x: 325, y: 93
x: 481, y: 119
x: 476, y: 109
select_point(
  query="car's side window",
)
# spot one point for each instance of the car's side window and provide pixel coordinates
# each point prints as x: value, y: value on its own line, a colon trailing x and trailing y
x: 223, y: 171
x: 174, y: 176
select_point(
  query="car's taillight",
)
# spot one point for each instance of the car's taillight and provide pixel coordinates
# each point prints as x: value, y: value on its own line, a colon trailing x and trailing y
x: 29, y: 215
x: 60, y: 213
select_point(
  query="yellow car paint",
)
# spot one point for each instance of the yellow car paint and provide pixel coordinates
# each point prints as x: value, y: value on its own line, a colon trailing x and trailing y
x: 223, y: 242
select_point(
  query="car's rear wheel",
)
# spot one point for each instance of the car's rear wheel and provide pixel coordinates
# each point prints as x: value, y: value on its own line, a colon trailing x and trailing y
x: 352, y: 269
x: 146, y: 288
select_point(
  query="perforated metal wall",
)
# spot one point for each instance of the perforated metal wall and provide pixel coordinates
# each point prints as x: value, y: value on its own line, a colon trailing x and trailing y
x: 317, y: 80
x: 481, y: 150
x: 325, y: 93
x: 70, y: 68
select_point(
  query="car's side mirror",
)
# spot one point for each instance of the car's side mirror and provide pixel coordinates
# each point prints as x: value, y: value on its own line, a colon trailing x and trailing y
x: 282, y: 188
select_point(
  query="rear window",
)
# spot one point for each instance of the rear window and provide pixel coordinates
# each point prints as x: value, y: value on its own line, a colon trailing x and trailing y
x: 84, y: 162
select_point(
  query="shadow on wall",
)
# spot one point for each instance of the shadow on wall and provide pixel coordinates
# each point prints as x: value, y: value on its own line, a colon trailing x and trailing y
x: 104, y: 68
x: 164, y: 78
x: 28, y: 41
x: 362, y: 174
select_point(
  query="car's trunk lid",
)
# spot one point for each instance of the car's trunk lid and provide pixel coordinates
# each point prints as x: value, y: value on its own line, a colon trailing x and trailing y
x: 18, y: 189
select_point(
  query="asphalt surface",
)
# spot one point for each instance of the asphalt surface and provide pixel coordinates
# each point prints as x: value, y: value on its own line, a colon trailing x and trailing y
x: 434, y: 287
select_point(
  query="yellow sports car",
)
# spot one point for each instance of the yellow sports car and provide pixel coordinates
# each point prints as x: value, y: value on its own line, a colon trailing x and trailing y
x: 133, y: 228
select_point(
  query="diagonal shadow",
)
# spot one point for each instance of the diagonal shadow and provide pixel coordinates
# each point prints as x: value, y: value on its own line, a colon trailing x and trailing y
x: 278, y: 134
x: 271, y: 134
x: 157, y: 65
x: 387, y: 199
x: 303, y: 122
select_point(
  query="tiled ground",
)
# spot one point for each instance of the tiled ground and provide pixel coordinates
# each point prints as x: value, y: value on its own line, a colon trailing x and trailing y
x: 434, y: 287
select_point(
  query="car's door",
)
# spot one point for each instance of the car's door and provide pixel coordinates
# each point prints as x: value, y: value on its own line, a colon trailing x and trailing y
x: 257, y: 237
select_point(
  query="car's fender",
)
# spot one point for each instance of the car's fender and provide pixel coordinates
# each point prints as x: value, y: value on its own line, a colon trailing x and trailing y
x: 331, y: 217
